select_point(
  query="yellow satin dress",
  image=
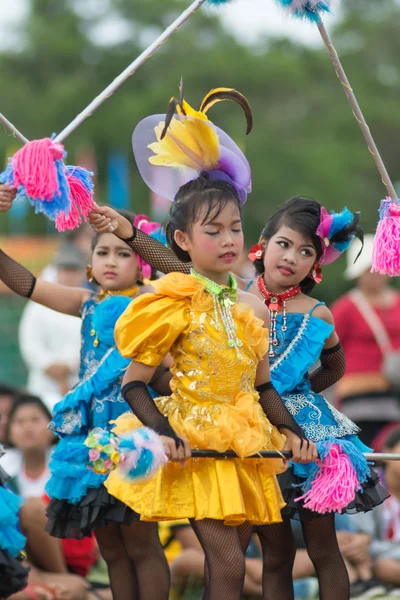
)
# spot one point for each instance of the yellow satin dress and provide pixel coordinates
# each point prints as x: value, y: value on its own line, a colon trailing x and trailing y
x: 213, y: 404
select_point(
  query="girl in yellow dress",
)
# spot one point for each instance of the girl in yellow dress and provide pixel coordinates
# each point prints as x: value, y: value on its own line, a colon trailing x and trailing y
x: 221, y: 395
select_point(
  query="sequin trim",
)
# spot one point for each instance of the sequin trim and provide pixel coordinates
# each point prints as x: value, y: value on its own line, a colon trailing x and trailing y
x: 292, y: 344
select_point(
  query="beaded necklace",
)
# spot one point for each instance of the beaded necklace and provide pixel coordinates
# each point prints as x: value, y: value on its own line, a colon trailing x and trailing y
x: 276, y: 302
x: 224, y: 297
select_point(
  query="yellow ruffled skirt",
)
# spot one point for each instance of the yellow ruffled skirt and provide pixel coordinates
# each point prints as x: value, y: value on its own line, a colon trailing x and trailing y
x: 231, y: 490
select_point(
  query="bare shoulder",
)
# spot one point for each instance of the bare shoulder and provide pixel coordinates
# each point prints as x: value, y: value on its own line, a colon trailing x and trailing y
x: 323, y: 312
x: 260, y: 310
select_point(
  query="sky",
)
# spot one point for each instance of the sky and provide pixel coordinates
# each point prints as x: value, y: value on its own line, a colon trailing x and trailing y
x: 247, y: 18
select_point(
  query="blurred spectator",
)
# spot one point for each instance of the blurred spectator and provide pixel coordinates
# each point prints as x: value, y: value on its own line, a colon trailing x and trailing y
x: 31, y: 442
x: 383, y: 523
x: 8, y: 395
x: 365, y: 392
x: 50, y: 341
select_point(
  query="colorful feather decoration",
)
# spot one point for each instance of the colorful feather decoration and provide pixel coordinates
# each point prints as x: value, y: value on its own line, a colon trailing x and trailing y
x: 306, y: 9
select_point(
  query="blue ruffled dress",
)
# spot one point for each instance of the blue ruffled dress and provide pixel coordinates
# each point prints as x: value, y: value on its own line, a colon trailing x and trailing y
x: 13, y: 576
x: 298, y: 349
x: 78, y: 500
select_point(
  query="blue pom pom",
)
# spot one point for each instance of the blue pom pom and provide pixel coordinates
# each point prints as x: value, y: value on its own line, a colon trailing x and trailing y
x: 60, y: 201
x: 218, y: 2
x: 306, y: 9
x: 7, y: 176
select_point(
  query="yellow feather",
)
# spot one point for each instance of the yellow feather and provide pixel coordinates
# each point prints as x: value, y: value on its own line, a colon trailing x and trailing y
x: 188, y: 143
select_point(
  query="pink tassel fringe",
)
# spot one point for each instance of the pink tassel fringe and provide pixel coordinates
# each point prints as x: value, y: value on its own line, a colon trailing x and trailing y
x: 386, y: 253
x: 33, y: 166
x: 334, y: 485
x: 82, y: 204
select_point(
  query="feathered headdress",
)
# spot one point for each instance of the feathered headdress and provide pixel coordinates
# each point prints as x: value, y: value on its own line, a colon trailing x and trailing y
x: 337, y: 231
x: 186, y: 141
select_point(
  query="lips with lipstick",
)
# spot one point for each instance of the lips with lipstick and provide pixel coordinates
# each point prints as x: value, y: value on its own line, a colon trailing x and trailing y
x: 110, y: 275
x: 285, y: 270
x: 228, y: 256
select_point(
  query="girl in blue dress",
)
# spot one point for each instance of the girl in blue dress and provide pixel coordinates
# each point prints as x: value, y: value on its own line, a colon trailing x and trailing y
x: 80, y: 504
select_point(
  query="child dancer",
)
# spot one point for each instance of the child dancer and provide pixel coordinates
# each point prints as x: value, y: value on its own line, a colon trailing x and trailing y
x: 299, y: 237
x: 80, y: 503
x: 217, y: 339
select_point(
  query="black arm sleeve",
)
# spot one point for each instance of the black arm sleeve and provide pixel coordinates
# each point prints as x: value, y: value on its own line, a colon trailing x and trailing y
x: 142, y: 404
x: 16, y: 277
x: 156, y: 254
x: 160, y: 382
x: 333, y: 366
x: 276, y: 411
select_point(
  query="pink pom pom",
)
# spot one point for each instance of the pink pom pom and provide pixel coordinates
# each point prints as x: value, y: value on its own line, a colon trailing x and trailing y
x: 94, y: 455
x: 81, y: 201
x: 34, y: 167
x: 386, y: 253
x: 334, y: 485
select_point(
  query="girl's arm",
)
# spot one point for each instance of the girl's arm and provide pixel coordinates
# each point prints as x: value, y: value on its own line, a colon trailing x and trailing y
x: 53, y: 295
x: 332, y: 359
x: 137, y: 395
x: 7, y: 195
x: 105, y: 220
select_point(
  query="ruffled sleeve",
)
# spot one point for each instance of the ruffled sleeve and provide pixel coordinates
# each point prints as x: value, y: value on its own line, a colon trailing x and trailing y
x: 149, y: 327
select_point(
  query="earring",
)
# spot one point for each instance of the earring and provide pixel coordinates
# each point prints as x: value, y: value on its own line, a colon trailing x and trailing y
x: 316, y: 273
x: 256, y: 252
x: 89, y: 273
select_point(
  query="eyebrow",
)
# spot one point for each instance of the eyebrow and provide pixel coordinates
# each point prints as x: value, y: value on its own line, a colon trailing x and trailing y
x: 216, y: 224
x: 282, y: 237
x: 117, y: 248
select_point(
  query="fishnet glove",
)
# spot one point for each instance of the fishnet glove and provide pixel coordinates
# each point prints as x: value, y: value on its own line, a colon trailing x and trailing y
x: 143, y: 406
x: 276, y: 411
x: 156, y: 254
x: 16, y: 277
x: 333, y: 366
x: 160, y: 382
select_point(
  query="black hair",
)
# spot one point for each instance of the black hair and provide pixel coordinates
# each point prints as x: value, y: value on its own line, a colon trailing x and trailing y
x: 8, y: 390
x: 202, y: 196
x: 303, y: 214
x: 25, y: 399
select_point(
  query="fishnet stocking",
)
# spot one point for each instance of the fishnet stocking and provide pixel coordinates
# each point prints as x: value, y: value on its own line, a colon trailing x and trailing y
x: 15, y: 276
x: 244, y: 534
x: 276, y: 411
x: 333, y: 366
x: 225, y: 563
x: 142, y: 404
x: 279, y: 551
x: 156, y: 254
x: 121, y: 571
x: 323, y: 550
x: 136, y: 562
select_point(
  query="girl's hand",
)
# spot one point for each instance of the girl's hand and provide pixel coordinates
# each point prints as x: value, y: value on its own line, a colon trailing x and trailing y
x: 174, y: 454
x: 7, y: 195
x: 303, y: 451
x: 105, y: 219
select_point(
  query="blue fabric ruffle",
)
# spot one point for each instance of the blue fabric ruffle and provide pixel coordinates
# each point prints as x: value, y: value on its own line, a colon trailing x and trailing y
x: 11, y: 538
x: 73, y: 413
x: 288, y: 369
x: 71, y: 478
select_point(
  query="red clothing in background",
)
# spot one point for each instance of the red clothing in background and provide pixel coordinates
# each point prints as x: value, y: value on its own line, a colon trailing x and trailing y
x: 363, y: 354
